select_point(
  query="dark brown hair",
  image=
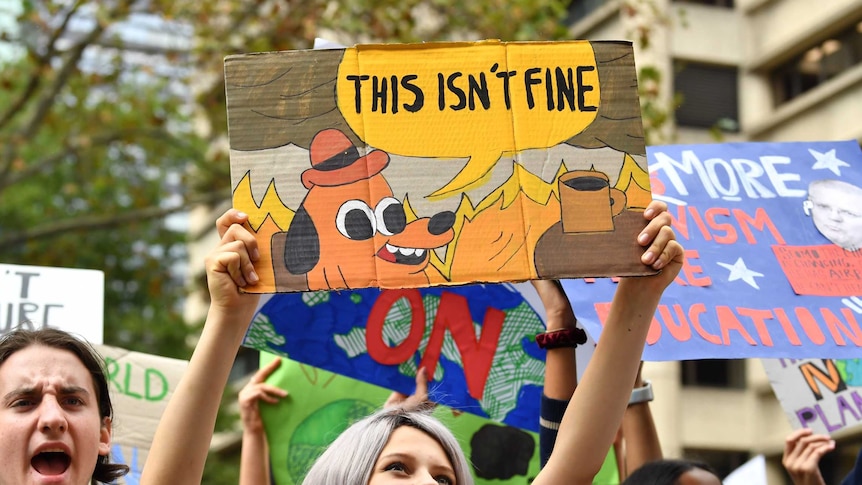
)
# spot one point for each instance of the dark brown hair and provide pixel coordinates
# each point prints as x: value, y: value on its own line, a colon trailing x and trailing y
x: 665, y: 472
x: 20, y: 339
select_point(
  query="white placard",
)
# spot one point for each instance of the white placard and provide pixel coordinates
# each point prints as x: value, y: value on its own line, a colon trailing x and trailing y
x: 822, y: 394
x: 64, y: 298
x: 141, y: 386
x: 753, y: 472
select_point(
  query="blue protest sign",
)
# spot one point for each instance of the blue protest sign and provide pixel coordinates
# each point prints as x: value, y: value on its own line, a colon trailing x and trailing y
x: 477, y: 342
x: 772, y: 233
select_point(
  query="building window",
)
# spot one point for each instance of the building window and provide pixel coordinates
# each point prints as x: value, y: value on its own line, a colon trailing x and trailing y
x: 819, y: 63
x: 708, y: 96
x: 722, y: 461
x: 581, y: 9
x: 723, y: 373
x: 716, y: 3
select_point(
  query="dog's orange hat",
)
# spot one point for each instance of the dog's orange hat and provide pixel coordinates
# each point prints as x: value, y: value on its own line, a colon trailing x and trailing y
x: 335, y: 161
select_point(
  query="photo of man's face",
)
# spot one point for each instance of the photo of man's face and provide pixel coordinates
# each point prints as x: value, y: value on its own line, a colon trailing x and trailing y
x: 836, y: 208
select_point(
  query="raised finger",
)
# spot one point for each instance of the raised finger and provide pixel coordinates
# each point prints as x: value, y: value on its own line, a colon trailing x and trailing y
x: 421, y: 384
x: 654, y: 208
x: 673, y: 252
x: 797, y: 434
x: 272, y: 390
x: 813, y: 452
x: 272, y: 394
x: 395, y: 399
x: 653, y: 228
x: 265, y: 392
x: 813, y: 440
x: 264, y: 372
x: 233, y: 259
x: 229, y: 218
x: 792, y: 441
x: 661, y: 251
x: 237, y: 232
x: 820, y: 449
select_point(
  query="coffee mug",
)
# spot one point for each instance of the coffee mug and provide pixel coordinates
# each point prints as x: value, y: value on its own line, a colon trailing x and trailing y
x: 588, y: 203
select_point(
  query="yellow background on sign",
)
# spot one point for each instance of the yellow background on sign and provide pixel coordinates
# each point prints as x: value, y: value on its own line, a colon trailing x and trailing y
x: 482, y: 133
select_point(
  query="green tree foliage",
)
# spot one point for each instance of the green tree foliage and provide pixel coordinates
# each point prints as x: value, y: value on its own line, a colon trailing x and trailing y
x: 103, y: 135
x: 96, y: 147
x: 92, y: 148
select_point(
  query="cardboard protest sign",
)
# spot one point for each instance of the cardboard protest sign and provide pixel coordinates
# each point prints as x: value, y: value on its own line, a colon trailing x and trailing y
x: 321, y: 405
x: 413, y: 165
x: 822, y: 394
x: 476, y: 342
x: 772, y: 233
x: 141, y: 386
x: 38, y: 297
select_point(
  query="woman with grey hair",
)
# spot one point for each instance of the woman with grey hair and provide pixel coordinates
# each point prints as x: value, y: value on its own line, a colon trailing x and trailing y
x: 398, y: 446
x: 364, y: 451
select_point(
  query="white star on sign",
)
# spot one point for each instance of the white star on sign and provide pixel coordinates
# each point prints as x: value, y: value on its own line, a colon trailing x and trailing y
x: 827, y: 160
x: 738, y: 271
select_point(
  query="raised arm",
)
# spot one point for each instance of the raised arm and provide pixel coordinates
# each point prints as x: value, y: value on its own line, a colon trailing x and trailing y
x: 561, y: 372
x: 639, y: 434
x: 596, y: 409
x: 182, y: 439
x: 254, y: 461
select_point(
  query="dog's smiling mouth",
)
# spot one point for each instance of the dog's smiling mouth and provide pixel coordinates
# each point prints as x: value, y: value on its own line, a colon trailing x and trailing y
x: 399, y: 255
x: 51, y: 462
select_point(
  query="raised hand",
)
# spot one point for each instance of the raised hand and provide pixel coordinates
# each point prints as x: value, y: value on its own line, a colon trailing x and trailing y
x: 802, y: 453
x: 230, y: 266
x: 257, y: 390
x: 417, y: 400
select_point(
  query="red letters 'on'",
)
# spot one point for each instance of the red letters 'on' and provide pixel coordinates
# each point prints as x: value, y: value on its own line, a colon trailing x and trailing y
x: 453, y: 314
x: 377, y: 348
x: 477, y: 355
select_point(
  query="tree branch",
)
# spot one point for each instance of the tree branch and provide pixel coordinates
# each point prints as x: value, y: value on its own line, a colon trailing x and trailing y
x: 66, y: 70
x: 72, y: 148
x: 30, y: 90
x: 102, y: 222
x: 47, y: 162
x: 36, y: 77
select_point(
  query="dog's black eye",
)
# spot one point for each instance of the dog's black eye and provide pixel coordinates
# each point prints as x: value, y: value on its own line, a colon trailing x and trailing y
x: 355, y: 220
x: 390, y: 216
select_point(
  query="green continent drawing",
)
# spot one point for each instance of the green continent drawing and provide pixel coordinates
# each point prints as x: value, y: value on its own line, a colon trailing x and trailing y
x: 319, y: 429
x: 512, y: 368
x: 850, y: 370
x: 312, y: 298
x: 261, y: 333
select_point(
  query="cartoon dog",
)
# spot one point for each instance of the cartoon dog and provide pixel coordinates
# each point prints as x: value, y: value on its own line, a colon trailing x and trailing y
x: 350, y: 231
